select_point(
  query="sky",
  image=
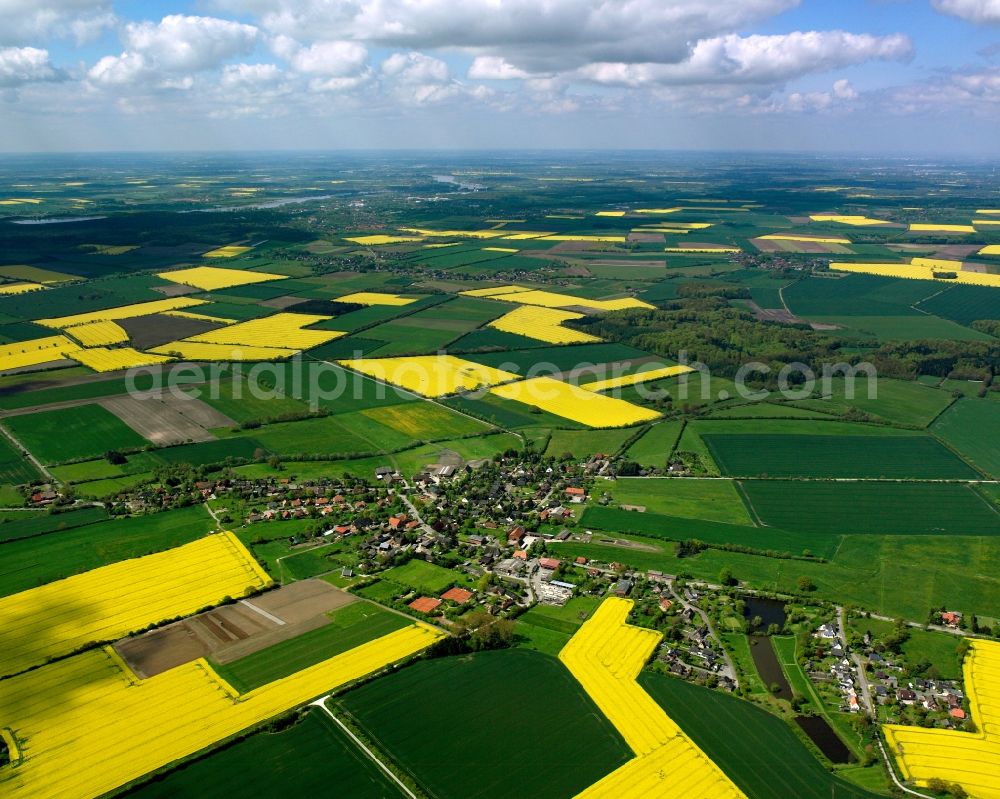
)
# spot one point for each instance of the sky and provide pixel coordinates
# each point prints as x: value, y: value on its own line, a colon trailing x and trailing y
x: 880, y: 76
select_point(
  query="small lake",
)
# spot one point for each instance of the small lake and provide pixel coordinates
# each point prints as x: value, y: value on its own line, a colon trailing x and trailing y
x: 771, y: 611
x: 57, y: 220
x: 821, y: 733
x: 768, y: 667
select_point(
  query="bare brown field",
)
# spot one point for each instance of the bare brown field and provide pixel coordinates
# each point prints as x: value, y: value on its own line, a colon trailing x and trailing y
x: 647, y: 238
x: 156, y: 421
x: 146, y: 332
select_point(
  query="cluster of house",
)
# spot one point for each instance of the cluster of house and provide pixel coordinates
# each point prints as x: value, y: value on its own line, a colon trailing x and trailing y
x: 428, y: 605
x: 840, y: 669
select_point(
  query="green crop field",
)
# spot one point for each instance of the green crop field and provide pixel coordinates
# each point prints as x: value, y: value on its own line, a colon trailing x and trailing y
x: 14, y: 526
x: 758, y: 751
x: 899, y: 401
x: 243, y: 448
x: 655, y: 445
x: 73, y: 433
x: 507, y: 413
x: 872, y: 508
x: 770, y: 455
x: 655, y: 525
x: 460, y: 710
x: 972, y: 426
x: 964, y: 304
x: 424, y: 577
x: 426, y: 421
x: 310, y: 759
x: 711, y: 500
x: 584, y: 443
x: 350, y: 626
x: 15, y: 468
x: 544, y: 360
x: 30, y: 562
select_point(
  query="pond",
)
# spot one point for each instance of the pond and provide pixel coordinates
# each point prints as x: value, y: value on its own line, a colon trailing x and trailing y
x: 821, y: 733
x: 768, y: 667
x: 771, y: 611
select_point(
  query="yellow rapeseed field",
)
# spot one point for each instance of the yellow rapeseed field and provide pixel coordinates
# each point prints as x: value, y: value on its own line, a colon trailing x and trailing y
x: 282, y: 330
x: 637, y: 377
x: 855, y: 221
x: 988, y: 211
x: 103, y: 359
x: 701, y: 249
x: 198, y: 351
x: 20, y: 201
x: 544, y: 324
x: 572, y: 402
x: 34, y: 274
x: 493, y: 291
x: 430, y: 375
x: 668, y: 227
x: 20, y: 288
x: 990, y: 249
x: 985, y: 222
x: 549, y: 299
x: 916, y: 272
x: 611, y: 239
x: 204, y: 317
x: 605, y: 656
x: 98, y: 334
x: 658, y: 210
x: 610, y: 213
x: 500, y: 249
x: 110, y: 602
x: 376, y: 298
x: 970, y: 759
x: 213, y: 278
x: 489, y: 233
x: 121, y: 312
x: 35, y: 351
x: 524, y: 235
x: 933, y: 227
x: 228, y: 251
x: 378, y: 239
x: 789, y: 237
x: 89, y: 725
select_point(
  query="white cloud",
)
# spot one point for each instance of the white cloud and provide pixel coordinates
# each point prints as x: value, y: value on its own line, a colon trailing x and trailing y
x: 249, y: 76
x: 21, y: 65
x: 31, y: 20
x: 164, y: 54
x: 981, y: 11
x: 180, y: 43
x: 532, y: 35
x: 490, y: 67
x: 843, y: 90
x: 335, y: 58
x: 756, y: 59
x: 415, y: 68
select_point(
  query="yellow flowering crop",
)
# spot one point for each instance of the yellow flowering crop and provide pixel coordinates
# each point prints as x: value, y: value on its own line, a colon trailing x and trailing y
x: 991, y: 249
x: 605, y: 656
x: 122, y: 312
x: 658, y: 210
x: 933, y: 227
x: 90, y: 725
x: 855, y: 221
x: 610, y: 213
x: 985, y: 222
x: 204, y: 317
x: 283, y: 330
x: 375, y: 298
x: 788, y: 237
x: 701, y: 249
x: 544, y: 324
x: 228, y: 251
x: 198, y: 351
x: 20, y: 288
x: 103, y: 359
x: 970, y: 759
x: 212, y: 278
x: 526, y: 235
x: 918, y: 272
x: 20, y: 201
x: 573, y: 402
x: 613, y: 239
x: 98, y: 334
x: 987, y: 211
x: 430, y: 375
x: 500, y: 249
x: 637, y: 377
x: 456, y: 234
x: 377, y: 239
x: 35, y: 351
x: 493, y: 291
x: 110, y: 602
x: 549, y: 299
